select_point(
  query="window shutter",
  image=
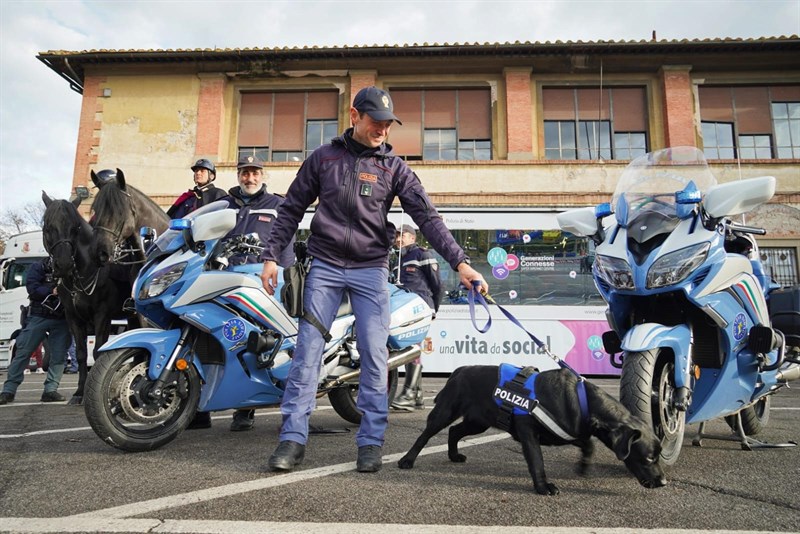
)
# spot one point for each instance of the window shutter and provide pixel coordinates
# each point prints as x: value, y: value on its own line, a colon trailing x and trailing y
x: 558, y: 104
x: 288, y: 124
x: 406, y: 140
x: 716, y: 104
x: 629, y: 109
x: 254, y: 119
x: 474, y: 114
x: 440, y: 108
x: 324, y: 105
x: 752, y: 110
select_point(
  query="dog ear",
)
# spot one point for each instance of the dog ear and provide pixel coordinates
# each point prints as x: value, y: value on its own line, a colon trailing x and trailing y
x: 622, y: 439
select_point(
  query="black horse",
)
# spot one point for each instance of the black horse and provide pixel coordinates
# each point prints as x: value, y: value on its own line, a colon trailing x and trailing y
x: 90, y: 296
x: 119, y: 211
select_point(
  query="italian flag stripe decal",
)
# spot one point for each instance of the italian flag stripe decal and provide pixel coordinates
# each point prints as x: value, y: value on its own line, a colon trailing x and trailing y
x: 746, y: 285
x: 249, y: 303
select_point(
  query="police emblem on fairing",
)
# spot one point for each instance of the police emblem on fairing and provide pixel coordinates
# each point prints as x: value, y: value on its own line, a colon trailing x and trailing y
x: 233, y: 330
x: 739, y: 326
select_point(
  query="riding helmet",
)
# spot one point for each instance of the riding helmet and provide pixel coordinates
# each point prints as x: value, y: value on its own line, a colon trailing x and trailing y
x: 107, y: 175
x: 205, y: 164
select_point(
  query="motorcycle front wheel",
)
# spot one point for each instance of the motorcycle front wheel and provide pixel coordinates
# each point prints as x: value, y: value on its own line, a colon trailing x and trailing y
x: 646, y: 389
x: 120, y: 409
x: 343, y: 399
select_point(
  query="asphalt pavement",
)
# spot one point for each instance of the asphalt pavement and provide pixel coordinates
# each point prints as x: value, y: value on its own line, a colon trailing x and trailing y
x: 56, y: 475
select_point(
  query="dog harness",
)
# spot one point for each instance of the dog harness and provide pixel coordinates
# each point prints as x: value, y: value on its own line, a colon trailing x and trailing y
x: 515, y: 394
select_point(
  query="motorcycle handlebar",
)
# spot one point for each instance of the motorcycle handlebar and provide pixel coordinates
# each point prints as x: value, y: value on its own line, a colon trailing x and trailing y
x: 736, y: 227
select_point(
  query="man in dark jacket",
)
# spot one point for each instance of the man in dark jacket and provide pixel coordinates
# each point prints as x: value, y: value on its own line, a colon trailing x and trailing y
x: 45, y: 321
x: 257, y: 211
x: 419, y: 272
x: 204, y: 191
x: 355, y: 178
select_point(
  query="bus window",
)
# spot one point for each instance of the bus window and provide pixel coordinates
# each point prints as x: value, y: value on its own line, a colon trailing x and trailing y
x: 526, y: 267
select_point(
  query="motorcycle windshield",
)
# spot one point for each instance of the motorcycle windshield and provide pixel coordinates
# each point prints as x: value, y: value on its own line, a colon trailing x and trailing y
x: 646, y: 190
x: 172, y: 240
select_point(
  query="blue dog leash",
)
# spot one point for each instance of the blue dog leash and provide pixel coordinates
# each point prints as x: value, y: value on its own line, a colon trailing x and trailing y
x: 475, y: 295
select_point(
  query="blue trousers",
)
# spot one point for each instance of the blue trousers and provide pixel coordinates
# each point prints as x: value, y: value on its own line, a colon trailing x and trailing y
x: 58, y: 339
x: 325, y: 286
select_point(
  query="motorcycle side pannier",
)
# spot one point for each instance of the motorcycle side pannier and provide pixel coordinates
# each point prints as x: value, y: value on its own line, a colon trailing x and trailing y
x: 784, y: 313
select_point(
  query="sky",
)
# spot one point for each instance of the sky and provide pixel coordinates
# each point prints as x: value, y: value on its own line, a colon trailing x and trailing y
x: 39, y: 113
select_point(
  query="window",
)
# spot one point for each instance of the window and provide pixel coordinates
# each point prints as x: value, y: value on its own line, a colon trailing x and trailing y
x: 285, y: 127
x: 439, y: 144
x: 786, y: 121
x: 589, y: 124
x: 755, y: 146
x: 319, y: 132
x: 718, y: 140
x: 260, y: 153
x: 442, y: 124
x: 752, y: 122
x: 550, y: 267
x: 780, y: 264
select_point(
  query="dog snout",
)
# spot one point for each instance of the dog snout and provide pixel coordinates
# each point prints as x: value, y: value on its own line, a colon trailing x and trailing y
x: 657, y: 482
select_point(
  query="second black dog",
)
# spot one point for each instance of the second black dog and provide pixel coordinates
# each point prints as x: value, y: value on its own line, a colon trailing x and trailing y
x: 469, y: 392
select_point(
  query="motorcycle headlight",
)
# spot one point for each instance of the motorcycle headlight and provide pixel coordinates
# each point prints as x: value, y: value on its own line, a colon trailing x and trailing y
x: 614, y: 271
x: 676, y: 266
x: 160, y: 280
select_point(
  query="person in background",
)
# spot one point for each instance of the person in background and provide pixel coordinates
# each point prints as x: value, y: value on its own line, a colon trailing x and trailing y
x: 204, y: 191
x: 257, y: 210
x: 418, y: 272
x: 71, y: 366
x: 45, y: 321
x: 355, y: 178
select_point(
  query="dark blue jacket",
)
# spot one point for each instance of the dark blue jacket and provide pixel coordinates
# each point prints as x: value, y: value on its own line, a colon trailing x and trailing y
x: 257, y: 214
x: 355, y: 190
x: 40, y: 285
x: 419, y: 272
x: 193, y: 199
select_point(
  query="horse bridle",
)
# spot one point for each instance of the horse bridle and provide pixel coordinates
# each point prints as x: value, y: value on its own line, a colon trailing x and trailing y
x: 120, y: 252
x: 86, y: 289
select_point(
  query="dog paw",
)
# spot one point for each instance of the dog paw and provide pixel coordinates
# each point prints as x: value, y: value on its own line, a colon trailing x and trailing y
x: 458, y: 458
x: 405, y: 463
x: 547, y: 489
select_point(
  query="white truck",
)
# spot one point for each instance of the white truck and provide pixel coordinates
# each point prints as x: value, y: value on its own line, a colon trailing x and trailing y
x: 22, y: 251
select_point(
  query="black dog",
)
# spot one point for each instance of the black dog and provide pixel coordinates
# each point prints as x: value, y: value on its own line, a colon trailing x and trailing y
x: 469, y: 394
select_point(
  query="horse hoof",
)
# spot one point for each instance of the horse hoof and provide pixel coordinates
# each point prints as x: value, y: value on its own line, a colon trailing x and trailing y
x: 76, y: 401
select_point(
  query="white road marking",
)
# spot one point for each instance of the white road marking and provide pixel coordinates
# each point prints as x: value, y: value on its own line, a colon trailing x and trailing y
x: 72, y: 524
x: 272, y: 481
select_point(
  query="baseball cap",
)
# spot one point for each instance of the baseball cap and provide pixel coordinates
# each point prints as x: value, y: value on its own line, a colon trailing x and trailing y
x: 376, y: 103
x: 249, y: 161
x: 407, y: 229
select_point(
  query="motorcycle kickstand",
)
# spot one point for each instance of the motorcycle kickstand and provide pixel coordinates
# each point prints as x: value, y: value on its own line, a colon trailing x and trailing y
x: 747, y: 443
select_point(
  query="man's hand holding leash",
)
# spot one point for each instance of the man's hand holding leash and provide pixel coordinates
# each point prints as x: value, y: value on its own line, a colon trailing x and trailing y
x: 468, y: 276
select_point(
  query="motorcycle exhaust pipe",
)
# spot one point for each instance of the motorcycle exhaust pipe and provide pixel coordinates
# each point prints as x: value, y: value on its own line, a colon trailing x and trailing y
x: 791, y: 372
x: 406, y: 356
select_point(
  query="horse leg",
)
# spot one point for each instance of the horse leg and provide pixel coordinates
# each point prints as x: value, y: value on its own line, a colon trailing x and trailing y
x: 81, y: 354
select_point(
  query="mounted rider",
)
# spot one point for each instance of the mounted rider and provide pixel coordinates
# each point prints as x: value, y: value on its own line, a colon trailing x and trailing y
x: 204, y: 192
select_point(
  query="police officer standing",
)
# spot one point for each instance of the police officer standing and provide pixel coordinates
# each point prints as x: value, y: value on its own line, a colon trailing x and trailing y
x: 418, y: 272
x: 204, y: 191
x: 45, y: 321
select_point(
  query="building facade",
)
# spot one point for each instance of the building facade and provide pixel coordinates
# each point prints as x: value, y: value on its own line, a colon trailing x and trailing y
x: 503, y: 135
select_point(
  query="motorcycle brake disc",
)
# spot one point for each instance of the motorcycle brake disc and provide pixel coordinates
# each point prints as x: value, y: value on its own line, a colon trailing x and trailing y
x: 138, y: 409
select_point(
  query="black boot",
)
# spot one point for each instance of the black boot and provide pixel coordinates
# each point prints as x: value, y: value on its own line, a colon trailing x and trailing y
x: 287, y: 455
x: 406, y: 400
x: 243, y: 420
x: 201, y: 420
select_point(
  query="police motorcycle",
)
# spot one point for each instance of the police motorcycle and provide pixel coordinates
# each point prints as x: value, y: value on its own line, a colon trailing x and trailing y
x: 217, y: 341
x: 702, y: 332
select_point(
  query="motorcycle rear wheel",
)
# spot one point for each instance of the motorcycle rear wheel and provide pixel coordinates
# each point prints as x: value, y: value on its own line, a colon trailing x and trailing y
x: 647, y: 386
x: 119, y: 410
x: 343, y: 399
x: 754, y: 418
